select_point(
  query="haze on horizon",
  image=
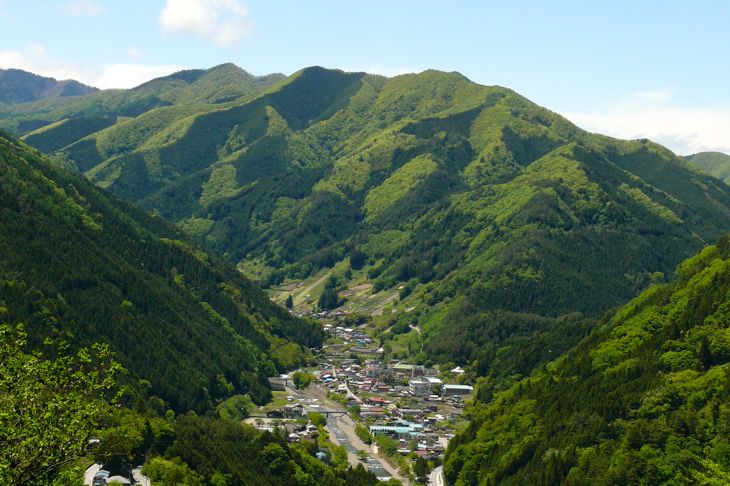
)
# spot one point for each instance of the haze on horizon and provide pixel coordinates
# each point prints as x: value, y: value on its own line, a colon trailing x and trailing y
x: 657, y: 70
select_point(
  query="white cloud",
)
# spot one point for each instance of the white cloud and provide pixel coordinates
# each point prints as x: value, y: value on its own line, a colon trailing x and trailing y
x: 35, y: 59
x: 131, y: 75
x: 225, y: 22
x: 88, y: 8
x: 652, y: 115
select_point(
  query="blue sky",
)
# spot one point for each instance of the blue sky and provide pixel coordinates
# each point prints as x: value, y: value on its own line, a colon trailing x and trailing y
x: 656, y: 69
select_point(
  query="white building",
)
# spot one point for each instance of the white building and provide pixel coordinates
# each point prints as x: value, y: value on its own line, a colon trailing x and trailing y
x: 457, y: 390
x: 419, y: 387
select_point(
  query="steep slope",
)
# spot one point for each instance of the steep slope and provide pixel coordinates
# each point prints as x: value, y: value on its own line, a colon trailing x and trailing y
x: 643, y: 400
x: 716, y: 164
x: 17, y: 86
x: 471, y: 197
x: 79, y: 264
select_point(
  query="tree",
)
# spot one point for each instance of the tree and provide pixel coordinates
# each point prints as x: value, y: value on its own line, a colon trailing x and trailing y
x: 329, y: 299
x: 48, y: 406
x: 174, y: 471
x: 420, y: 468
x: 317, y: 419
x: 302, y: 380
x: 357, y: 259
x: 289, y: 302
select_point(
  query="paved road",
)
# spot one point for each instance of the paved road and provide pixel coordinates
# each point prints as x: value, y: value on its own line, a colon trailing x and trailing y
x: 137, y: 475
x: 342, y: 430
x: 89, y: 473
x: 436, y: 478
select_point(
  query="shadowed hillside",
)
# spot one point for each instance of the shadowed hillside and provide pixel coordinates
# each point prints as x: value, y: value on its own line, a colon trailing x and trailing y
x: 80, y: 265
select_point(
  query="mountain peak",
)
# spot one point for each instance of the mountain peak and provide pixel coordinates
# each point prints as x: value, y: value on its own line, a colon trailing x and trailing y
x: 18, y: 86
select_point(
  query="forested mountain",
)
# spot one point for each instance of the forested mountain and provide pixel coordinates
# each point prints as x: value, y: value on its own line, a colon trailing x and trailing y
x: 79, y: 265
x: 714, y: 163
x: 487, y: 208
x: 67, y: 120
x: 17, y: 86
x: 643, y: 400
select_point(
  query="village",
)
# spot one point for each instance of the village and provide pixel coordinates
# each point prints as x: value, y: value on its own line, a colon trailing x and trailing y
x: 387, y: 413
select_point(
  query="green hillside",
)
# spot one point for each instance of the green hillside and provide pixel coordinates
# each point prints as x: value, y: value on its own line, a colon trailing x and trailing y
x: 83, y: 266
x: 460, y: 200
x: 643, y: 400
x: 714, y: 163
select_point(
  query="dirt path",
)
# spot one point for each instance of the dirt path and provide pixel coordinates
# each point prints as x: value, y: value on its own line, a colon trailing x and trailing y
x: 302, y: 295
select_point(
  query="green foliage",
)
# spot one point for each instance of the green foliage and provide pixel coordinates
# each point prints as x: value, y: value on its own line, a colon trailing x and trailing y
x: 648, y: 398
x: 716, y: 164
x: 421, y: 469
x: 50, y: 403
x: 364, y: 434
x: 170, y: 472
x: 317, y: 419
x: 302, y: 380
x: 235, y: 408
x: 103, y: 271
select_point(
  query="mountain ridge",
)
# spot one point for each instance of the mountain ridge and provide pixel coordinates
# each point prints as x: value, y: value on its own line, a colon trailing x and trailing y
x: 19, y: 86
x: 472, y: 197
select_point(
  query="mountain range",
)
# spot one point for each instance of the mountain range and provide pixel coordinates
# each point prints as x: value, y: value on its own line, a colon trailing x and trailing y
x: 470, y: 204
x: 504, y: 238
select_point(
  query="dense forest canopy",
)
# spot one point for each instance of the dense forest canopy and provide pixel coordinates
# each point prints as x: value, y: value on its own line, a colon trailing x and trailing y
x: 643, y: 400
x: 81, y: 265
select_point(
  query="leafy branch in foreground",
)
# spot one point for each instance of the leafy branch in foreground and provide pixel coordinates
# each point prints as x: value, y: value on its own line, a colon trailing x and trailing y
x: 49, y: 405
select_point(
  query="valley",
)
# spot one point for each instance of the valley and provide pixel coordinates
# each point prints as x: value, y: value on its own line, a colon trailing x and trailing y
x: 337, y: 277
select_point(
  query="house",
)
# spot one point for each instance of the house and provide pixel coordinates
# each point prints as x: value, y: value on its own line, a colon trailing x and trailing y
x: 457, y: 390
x: 397, y: 432
x: 419, y: 387
x: 361, y: 350
x: 372, y: 411
x: 435, y: 382
x: 376, y: 400
x: 277, y: 383
x: 293, y: 410
x: 458, y: 370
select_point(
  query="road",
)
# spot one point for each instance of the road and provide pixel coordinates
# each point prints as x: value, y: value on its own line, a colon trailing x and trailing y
x: 89, y: 473
x: 136, y: 474
x: 342, y: 432
x: 436, y: 478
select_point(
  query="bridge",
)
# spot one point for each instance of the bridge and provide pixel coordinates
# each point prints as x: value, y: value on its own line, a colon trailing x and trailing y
x: 326, y: 413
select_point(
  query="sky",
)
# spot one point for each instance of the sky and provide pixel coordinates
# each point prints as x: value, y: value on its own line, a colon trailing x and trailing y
x: 631, y: 69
